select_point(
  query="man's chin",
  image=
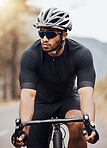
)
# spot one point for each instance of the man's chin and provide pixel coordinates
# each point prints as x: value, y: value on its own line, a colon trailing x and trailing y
x: 46, y: 49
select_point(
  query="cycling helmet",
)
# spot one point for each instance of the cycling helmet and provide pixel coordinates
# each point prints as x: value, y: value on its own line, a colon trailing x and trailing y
x: 54, y: 18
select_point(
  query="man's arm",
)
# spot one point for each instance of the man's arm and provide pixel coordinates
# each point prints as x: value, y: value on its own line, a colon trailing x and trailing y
x: 26, y: 111
x: 87, y: 106
x: 26, y: 108
x: 87, y: 102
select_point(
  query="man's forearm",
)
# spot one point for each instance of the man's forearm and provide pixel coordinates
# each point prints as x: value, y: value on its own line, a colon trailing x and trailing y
x: 26, y: 108
x: 88, y: 106
x: 87, y: 102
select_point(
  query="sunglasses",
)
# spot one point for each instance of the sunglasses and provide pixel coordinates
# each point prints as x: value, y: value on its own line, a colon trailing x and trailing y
x: 49, y: 34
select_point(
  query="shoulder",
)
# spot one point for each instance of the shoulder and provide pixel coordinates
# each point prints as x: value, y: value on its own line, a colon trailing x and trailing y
x: 75, y: 47
x: 33, y: 50
x: 32, y: 54
x: 78, y: 51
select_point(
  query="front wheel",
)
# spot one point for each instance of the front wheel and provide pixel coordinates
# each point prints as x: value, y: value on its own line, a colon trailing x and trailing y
x: 57, y: 138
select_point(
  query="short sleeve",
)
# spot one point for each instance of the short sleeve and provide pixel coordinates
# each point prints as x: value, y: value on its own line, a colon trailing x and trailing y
x: 85, y: 69
x: 28, y: 70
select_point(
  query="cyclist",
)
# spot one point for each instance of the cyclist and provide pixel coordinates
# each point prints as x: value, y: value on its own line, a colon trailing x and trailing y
x: 48, y: 70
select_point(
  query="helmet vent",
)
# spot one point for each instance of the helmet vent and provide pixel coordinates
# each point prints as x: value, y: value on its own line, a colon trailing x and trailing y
x: 64, y: 23
x: 45, y: 16
x: 67, y: 16
x: 54, y: 13
x: 61, y: 14
x: 54, y: 20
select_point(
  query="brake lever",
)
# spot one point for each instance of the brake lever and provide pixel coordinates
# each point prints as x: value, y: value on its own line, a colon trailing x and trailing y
x: 19, y: 127
x: 86, y: 122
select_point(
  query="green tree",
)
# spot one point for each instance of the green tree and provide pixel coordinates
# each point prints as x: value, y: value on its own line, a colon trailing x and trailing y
x: 13, y: 37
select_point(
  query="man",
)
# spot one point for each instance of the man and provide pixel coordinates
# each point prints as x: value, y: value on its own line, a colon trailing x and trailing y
x: 48, y: 71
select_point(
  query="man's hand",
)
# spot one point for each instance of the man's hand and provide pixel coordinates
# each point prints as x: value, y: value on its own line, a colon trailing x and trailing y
x: 20, y: 139
x: 93, y: 138
x: 90, y: 138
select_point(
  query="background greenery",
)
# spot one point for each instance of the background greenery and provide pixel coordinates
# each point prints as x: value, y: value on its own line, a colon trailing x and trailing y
x: 14, y: 38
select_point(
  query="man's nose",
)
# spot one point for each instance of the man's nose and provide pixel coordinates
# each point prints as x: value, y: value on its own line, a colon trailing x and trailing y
x: 45, y: 38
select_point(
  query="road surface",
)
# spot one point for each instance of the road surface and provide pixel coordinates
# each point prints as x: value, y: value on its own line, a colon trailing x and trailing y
x: 10, y: 112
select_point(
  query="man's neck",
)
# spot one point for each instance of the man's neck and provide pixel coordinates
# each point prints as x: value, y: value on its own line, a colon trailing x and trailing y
x: 60, y: 52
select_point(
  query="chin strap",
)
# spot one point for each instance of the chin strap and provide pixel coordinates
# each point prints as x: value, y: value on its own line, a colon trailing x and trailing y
x: 53, y: 51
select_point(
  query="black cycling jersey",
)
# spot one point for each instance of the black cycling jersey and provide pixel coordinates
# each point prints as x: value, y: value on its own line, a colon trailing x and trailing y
x: 54, y: 77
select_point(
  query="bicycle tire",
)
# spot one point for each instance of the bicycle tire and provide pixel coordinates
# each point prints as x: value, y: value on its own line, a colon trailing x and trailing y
x: 57, y: 139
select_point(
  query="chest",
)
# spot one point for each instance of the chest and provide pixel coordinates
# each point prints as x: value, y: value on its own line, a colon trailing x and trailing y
x: 56, y: 69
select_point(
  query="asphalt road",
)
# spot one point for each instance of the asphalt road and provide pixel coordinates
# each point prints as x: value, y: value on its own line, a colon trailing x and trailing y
x: 7, y: 125
x: 7, y: 117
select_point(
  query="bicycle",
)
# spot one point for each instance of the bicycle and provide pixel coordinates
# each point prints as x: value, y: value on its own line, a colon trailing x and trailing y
x: 57, y: 133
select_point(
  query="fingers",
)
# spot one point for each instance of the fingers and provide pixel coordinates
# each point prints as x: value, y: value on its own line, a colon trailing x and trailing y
x: 85, y: 134
x: 19, y: 141
x: 90, y: 138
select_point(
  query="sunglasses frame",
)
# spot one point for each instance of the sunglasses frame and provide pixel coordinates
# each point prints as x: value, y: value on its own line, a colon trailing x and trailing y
x: 45, y: 33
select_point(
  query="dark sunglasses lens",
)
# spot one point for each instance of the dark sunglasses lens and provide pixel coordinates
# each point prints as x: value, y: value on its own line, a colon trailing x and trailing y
x: 41, y: 34
x: 49, y: 35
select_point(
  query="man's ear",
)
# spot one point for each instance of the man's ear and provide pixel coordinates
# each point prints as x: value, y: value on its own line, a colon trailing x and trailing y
x: 64, y: 36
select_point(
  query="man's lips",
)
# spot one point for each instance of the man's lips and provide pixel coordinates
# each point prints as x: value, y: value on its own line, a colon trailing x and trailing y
x: 45, y: 45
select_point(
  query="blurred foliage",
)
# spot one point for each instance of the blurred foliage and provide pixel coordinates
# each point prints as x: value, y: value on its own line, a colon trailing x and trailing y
x: 14, y: 15
x: 101, y: 88
x: 101, y: 99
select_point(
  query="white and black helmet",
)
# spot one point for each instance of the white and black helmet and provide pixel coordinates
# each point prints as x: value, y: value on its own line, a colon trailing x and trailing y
x: 54, y: 18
